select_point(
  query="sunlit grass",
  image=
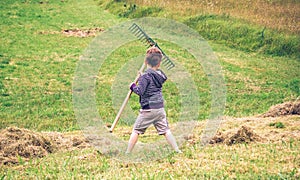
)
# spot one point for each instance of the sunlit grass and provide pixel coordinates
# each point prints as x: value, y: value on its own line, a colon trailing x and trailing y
x: 280, y: 15
x: 37, y: 65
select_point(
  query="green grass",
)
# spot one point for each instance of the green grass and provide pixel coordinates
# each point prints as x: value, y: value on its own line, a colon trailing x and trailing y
x: 242, y: 161
x: 38, y: 62
x: 236, y: 32
x: 37, y: 66
x: 239, y: 35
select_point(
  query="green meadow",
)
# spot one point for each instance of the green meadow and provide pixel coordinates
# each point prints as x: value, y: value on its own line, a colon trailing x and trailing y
x: 43, y: 40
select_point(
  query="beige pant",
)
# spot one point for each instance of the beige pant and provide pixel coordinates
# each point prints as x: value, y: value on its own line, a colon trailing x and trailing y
x: 157, y: 117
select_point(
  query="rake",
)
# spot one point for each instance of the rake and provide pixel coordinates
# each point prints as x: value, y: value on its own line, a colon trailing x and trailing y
x: 141, y: 35
x: 166, y: 61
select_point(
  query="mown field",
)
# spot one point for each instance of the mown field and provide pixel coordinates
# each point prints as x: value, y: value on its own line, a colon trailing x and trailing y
x: 42, y: 41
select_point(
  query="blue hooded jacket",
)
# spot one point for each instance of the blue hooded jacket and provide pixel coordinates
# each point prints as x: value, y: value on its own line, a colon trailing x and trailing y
x: 149, y: 88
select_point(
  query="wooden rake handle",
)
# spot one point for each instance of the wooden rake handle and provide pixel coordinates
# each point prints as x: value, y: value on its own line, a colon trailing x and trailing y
x: 125, y: 102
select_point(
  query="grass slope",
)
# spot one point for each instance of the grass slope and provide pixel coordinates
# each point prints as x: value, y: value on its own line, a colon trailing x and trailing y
x: 37, y: 62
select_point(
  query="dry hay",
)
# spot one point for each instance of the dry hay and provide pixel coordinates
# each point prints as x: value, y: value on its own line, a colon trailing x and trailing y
x: 243, y: 135
x: 16, y: 143
x: 68, y: 142
x: 287, y: 108
x: 82, y: 33
x: 76, y: 32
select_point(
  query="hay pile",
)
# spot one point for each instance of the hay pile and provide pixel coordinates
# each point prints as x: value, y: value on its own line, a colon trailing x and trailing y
x: 76, y: 32
x: 82, y: 33
x: 18, y: 143
x: 287, y: 108
x: 68, y: 142
x: 243, y: 135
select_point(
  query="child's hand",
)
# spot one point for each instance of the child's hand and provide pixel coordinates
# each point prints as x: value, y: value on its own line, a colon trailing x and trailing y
x: 132, y: 85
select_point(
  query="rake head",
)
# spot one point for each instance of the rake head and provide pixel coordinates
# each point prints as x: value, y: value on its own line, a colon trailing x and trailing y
x: 142, y: 36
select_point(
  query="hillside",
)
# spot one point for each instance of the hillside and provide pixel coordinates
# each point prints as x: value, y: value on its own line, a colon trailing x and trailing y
x: 43, y: 42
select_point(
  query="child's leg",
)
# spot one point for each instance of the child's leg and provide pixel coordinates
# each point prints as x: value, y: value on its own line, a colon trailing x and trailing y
x: 132, y: 141
x: 172, y: 141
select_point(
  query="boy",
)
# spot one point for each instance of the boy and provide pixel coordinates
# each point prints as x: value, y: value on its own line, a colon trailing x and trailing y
x: 152, y: 111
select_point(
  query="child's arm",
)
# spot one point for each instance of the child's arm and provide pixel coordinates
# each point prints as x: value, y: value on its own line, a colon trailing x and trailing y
x: 140, y: 88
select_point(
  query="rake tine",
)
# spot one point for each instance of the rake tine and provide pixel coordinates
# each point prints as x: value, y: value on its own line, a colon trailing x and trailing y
x: 145, y: 36
x: 133, y: 28
x: 142, y: 39
x: 164, y: 62
x: 168, y: 62
x: 141, y: 36
x: 169, y: 65
x: 136, y: 28
x: 133, y: 25
x: 172, y: 64
x: 152, y: 42
x: 137, y: 33
x: 167, y: 58
x: 130, y: 28
x: 147, y: 41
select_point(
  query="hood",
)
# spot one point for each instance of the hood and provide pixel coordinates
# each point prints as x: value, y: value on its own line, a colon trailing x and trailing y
x: 157, y: 76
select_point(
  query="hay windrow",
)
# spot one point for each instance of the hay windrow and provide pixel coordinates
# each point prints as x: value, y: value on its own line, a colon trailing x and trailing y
x: 76, y: 32
x: 287, y: 108
x: 82, y: 32
x: 18, y: 143
x: 243, y: 135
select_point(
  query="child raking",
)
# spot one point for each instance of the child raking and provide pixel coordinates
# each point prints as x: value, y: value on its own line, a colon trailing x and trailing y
x: 149, y: 88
